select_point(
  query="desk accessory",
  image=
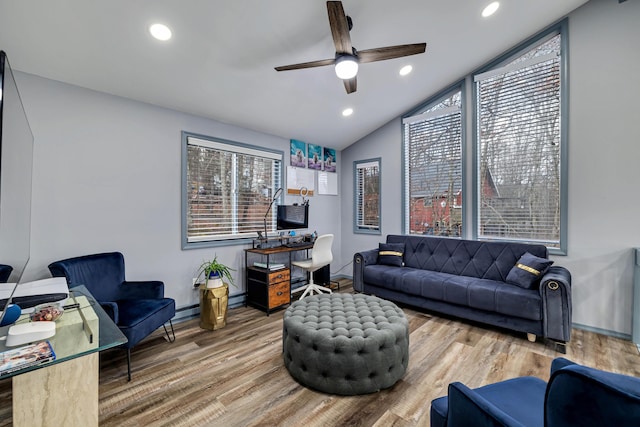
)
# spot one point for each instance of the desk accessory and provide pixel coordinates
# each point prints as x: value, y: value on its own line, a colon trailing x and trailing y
x: 23, y: 357
x: 275, y: 197
x: 23, y: 333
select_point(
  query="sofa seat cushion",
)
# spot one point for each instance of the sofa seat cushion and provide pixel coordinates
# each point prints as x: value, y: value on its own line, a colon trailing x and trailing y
x: 481, y: 294
x: 490, y: 295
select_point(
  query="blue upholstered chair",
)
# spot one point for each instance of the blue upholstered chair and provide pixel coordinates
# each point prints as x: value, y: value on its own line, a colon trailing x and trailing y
x: 574, y: 396
x: 5, y: 272
x: 138, y: 308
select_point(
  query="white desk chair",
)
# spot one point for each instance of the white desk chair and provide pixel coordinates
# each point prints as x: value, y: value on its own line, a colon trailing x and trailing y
x: 320, y: 256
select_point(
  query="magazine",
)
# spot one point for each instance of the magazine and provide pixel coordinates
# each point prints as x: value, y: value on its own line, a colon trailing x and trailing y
x: 23, y: 357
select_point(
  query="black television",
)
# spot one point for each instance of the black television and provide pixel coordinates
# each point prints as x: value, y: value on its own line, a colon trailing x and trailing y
x: 292, y: 217
x: 16, y: 162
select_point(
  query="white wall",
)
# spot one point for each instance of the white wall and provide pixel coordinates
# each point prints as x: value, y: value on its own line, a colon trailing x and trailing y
x: 604, y: 153
x: 107, y: 174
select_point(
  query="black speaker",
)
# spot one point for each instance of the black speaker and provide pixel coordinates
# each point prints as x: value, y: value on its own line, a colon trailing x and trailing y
x: 322, y: 276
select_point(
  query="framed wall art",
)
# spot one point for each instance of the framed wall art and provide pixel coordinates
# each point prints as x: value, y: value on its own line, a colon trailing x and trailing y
x: 298, y: 153
x: 314, y: 160
x: 329, y: 158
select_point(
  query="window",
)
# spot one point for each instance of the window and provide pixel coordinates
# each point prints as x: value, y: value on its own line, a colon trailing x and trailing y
x: 518, y: 175
x: 519, y: 146
x: 227, y: 190
x: 367, y: 196
x: 433, y: 168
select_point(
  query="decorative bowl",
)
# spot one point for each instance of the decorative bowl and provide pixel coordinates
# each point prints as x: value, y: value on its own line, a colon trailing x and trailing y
x: 48, y: 311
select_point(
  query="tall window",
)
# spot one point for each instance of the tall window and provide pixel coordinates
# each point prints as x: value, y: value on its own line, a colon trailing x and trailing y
x: 367, y: 196
x: 227, y: 189
x: 518, y: 146
x: 433, y: 168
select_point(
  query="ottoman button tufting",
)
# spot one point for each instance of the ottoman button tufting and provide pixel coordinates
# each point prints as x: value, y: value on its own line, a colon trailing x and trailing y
x: 362, y: 340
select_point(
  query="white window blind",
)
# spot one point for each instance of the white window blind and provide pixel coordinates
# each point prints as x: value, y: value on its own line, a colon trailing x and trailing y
x: 229, y: 189
x: 433, y: 169
x: 367, y: 194
x: 518, y: 147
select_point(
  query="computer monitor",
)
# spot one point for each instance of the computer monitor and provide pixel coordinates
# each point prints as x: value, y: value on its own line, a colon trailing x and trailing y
x: 292, y: 217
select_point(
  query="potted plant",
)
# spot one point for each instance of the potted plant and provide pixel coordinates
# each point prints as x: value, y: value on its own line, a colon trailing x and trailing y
x: 213, y: 272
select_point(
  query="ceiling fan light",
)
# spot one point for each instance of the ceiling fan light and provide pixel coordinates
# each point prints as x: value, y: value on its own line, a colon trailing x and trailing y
x: 346, y: 67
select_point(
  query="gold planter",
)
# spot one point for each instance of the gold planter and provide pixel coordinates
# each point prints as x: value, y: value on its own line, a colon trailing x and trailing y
x: 213, y: 306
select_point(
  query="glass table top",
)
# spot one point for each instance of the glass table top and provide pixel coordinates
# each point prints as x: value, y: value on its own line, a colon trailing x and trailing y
x: 80, y: 331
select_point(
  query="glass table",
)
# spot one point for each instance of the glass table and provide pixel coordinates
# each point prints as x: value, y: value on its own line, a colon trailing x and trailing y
x: 64, y: 391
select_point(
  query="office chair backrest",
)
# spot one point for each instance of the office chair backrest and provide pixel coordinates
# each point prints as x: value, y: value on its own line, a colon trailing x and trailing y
x: 321, y: 254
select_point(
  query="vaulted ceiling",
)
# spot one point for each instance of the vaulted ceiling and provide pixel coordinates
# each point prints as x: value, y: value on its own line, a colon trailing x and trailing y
x: 220, y: 61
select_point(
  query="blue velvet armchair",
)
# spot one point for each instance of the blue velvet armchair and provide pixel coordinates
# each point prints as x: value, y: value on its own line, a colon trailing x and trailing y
x: 5, y: 272
x: 138, y: 308
x: 574, y: 396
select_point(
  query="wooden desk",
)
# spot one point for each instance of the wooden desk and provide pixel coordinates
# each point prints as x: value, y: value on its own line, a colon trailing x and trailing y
x: 269, y: 289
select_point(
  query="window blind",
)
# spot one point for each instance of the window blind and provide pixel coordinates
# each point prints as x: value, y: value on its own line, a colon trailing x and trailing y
x: 368, y: 195
x: 230, y: 188
x: 433, y: 169
x: 519, y: 148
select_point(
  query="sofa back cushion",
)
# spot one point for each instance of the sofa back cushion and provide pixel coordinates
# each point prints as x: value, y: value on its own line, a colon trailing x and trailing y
x: 485, y: 260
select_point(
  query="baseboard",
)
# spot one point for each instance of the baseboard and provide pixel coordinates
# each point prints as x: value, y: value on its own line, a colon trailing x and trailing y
x: 602, y: 331
x: 238, y: 300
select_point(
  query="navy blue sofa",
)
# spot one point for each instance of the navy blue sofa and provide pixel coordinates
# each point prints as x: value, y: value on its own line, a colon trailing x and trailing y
x: 468, y: 279
x: 575, y: 396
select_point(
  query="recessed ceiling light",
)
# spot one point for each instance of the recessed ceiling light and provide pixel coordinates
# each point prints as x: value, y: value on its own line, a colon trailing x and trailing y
x: 347, y: 112
x: 490, y: 9
x: 406, y: 70
x: 160, y: 32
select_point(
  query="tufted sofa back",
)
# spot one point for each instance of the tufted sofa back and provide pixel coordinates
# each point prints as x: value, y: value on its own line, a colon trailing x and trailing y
x: 485, y: 260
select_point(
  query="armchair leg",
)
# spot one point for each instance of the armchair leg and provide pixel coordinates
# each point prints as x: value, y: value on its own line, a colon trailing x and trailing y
x: 128, y: 364
x: 171, y: 337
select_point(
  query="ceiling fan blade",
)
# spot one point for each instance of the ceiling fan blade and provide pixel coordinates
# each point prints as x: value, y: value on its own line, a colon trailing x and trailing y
x: 350, y: 85
x: 311, y: 64
x: 339, y: 27
x: 390, y: 52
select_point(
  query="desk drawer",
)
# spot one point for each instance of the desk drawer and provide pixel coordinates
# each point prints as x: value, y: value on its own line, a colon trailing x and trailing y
x: 279, y: 294
x: 270, y: 277
x: 279, y: 276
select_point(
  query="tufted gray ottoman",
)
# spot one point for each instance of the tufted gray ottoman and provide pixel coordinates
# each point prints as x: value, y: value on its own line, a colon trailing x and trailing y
x: 345, y: 344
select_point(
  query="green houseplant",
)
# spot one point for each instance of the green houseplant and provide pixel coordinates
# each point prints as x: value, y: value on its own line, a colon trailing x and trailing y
x: 213, y: 272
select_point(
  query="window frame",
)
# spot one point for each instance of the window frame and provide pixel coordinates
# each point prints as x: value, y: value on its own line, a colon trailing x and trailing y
x: 240, y: 240
x: 470, y: 155
x: 560, y: 28
x: 422, y: 108
x: 357, y: 228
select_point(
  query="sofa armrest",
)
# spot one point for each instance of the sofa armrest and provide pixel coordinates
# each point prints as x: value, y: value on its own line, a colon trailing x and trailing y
x: 360, y: 261
x: 152, y: 289
x: 468, y: 408
x: 555, y: 291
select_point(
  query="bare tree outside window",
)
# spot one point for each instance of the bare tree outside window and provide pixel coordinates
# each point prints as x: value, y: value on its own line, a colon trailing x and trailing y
x: 433, y: 169
x: 229, y: 190
x: 519, y: 148
x: 367, y: 216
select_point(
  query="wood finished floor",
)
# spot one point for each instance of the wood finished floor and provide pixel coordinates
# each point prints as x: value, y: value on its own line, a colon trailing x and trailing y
x: 235, y: 376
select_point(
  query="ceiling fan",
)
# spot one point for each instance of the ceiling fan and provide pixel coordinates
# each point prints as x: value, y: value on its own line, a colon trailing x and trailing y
x: 347, y: 57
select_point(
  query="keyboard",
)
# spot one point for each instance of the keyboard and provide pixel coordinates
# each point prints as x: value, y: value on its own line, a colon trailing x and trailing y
x: 297, y: 244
